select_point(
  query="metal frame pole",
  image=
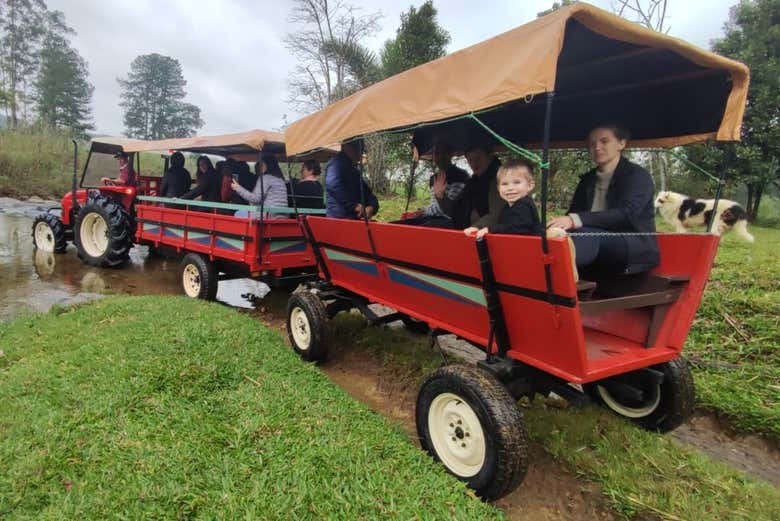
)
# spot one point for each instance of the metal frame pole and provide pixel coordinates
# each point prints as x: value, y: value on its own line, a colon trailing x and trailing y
x: 721, y: 181
x: 545, y: 176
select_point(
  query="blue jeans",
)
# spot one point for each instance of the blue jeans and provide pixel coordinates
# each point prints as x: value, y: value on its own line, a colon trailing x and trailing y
x: 602, y: 251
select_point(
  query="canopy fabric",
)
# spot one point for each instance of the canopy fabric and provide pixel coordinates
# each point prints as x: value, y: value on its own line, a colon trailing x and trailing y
x: 242, y: 142
x: 597, y: 63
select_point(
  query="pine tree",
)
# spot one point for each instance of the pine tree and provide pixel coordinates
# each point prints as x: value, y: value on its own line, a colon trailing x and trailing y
x: 153, y: 99
x: 62, y: 92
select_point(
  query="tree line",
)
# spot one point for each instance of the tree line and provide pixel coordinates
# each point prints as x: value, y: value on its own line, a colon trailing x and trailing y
x: 44, y: 79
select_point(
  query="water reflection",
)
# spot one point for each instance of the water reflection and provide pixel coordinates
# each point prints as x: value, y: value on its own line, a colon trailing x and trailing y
x: 33, y: 280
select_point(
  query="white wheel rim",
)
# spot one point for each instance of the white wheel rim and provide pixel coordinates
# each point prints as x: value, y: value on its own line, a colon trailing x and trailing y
x: 626, y: 410
x: 457, y: 435
x: 94, y: 234
x: 190, y: 280
x: 300, y: 328
x: 44, y: 237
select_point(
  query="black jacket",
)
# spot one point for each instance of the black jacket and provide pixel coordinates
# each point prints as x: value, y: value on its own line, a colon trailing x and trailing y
x: 629, y: 209
x: 479, y: 200
x: 175, y: 182
x: 520, y: 219
x: 307, y: 194
x: 209, y: 186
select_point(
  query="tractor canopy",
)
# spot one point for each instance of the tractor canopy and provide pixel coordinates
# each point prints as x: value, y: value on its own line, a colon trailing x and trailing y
x: 601, y: 68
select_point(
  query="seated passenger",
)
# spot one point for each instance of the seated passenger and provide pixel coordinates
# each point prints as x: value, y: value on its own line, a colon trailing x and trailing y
x: 614, y: 197
x: 307, y: 190
x: 480, y: 203
x: 245, y: 178
x: 344, y: 184
x: 446, y: 185
x: 515, y: 182
x: 208, y: 188
x: 177, y: 179
x: 127, y: 176
x: 269, y: 190
x: 519, y: 216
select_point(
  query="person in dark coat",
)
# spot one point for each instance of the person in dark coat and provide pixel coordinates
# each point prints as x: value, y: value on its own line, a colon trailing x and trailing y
x: 177, y: 179
x: 307, y: 191
x: 479, y: 203
x: 343, y: 183
x: 519, y: 216
x: 209, y: 183
x: 616, y: 196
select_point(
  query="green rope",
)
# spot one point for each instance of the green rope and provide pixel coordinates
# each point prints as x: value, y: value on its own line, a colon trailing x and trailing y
x: 517, y: 149
x: 693, y: 165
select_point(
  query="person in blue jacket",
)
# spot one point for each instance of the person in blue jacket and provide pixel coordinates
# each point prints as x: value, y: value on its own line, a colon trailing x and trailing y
x: 343, y: 182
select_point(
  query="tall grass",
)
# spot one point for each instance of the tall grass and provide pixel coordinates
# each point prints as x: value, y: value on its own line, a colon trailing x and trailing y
x: 36, y: 161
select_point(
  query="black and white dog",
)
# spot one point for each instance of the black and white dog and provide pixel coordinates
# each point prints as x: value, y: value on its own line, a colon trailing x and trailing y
x: 683, y: 212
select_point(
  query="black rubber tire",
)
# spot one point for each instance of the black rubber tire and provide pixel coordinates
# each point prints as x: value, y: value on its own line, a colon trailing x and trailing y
x: 506, y: 439
x: 120, y: 232
x: 676, y: 405
x: 415, y: 326
x: 207, y: 276
x: 56, y: 228
x: 316, y: 322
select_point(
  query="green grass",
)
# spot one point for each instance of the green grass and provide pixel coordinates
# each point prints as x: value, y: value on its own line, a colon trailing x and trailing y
x: 639, y: 472
x: 735, y: 339
x: 168, y: 408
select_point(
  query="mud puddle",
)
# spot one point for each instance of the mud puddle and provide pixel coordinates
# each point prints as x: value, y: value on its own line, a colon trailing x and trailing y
x: 33, y: 280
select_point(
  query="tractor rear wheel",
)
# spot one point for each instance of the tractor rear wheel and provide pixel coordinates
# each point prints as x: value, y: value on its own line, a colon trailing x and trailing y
x: 468, y: 421
x: 103, y: 232
x: 198, y: 277
x: 307, y: 326
x: 659, y: 408
x: 49, y: 233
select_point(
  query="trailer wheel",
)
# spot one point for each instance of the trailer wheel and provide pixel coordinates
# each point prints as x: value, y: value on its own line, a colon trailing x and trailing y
x: 103, y: 232
x: 467, y: 420
x: 663, y: 407
x: 307, y: 326
x: 198, y: 277
x: 49, y: 233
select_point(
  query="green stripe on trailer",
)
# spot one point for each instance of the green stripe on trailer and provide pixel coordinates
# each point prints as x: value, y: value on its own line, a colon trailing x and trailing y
x: 466, y: 291
x: 228, y: 206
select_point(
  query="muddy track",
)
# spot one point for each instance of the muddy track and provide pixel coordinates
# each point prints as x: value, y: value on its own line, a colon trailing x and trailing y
x: 549, y: 491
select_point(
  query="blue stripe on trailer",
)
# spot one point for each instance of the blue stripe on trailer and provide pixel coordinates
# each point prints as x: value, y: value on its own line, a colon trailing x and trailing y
x: 407, y: 279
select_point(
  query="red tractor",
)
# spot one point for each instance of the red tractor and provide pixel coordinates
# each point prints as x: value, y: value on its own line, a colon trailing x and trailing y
x: 97, y: 217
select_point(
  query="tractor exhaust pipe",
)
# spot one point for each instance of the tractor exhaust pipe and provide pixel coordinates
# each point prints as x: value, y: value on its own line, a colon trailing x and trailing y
x: 75, y: 205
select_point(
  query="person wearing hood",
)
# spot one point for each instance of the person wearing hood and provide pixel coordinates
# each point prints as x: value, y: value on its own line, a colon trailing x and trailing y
x: 177, y: 180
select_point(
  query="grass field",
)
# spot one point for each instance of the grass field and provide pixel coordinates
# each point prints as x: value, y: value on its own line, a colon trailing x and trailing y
x: 168, y: 408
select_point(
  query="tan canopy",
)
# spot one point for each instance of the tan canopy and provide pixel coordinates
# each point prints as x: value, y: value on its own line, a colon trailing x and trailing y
x: 242, y: 146
x: 601, y: 68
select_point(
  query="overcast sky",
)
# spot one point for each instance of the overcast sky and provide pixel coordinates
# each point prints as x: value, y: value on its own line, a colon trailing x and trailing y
x: 236, y: 65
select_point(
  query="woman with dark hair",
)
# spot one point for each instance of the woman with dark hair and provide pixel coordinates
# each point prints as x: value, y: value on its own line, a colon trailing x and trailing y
x: 177, y: 179
x: 615, y: 197
x: 208, y: 182
x: 269, y: 191
x: 307, y: 190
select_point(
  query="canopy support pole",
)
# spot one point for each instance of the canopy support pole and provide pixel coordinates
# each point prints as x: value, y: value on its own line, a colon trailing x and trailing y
x: 545, y: 176
x: 718, y: 191
x: 361, y: 151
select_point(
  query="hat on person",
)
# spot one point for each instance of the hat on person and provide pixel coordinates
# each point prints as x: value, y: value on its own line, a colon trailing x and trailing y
x: 120, y: 154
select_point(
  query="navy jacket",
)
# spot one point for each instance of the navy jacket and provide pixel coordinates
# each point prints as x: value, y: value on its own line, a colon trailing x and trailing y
x: 342, y: 184
x: 521, y: 218
x: 629, y: 209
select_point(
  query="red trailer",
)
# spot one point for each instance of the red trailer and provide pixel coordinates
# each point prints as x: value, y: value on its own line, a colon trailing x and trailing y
x: 617, y: 339
x: 105, y: 221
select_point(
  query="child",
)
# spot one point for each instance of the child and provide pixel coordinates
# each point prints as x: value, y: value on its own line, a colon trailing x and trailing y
x: 515, y: 183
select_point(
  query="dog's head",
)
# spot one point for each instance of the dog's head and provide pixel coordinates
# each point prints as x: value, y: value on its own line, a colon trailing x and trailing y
x: 668, y: 199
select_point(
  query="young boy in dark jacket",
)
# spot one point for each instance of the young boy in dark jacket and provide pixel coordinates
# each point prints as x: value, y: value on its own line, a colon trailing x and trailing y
x: 515, y: 180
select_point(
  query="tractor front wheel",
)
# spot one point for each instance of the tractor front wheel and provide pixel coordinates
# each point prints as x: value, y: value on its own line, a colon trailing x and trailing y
x: 656, y: 407
x: 198, y: 277
x: 49, y: 233
x: 468, y: 421
x: 103, y: 232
